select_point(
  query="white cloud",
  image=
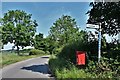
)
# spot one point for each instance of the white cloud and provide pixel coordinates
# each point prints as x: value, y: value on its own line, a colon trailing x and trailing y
x: 119, y: 36
x: 10, y: 45
x: 29, y: 47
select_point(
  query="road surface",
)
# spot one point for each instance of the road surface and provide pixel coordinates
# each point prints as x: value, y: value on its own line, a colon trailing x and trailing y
x: 31, y: 68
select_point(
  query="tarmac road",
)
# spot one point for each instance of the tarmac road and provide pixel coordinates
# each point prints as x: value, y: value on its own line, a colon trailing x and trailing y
x: 31, y: 68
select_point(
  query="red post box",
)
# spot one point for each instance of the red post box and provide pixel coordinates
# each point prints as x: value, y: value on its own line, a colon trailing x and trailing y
x: 80, y: 56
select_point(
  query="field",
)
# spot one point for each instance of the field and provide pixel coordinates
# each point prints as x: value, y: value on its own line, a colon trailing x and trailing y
x: 9, y: 57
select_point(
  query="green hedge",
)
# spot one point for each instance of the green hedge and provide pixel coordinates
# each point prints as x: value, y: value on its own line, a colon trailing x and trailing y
x: 36, y: 52
x: 63, y: 69
x: 69, y: 51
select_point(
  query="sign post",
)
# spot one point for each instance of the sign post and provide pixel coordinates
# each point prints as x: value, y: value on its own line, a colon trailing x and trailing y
x: 92, y: 26
x: 99, y: 44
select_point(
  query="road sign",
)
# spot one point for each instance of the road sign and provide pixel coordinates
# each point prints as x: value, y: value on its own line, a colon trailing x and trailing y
x: 92, y: 26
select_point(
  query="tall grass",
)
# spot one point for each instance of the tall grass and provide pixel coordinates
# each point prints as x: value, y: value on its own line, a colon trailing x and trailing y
x: 9, y: 58
x: 63, y: 69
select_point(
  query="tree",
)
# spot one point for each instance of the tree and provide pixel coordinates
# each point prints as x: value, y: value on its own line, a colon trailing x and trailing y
x: 62, y: 29
x: 18, y: 28
x: 106, y: 13
x: 50, y: 44
x: 38, y: 41
x: 42, y: 43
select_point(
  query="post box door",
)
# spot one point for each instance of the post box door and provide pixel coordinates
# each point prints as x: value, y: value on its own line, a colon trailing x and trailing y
x: 80, y: 58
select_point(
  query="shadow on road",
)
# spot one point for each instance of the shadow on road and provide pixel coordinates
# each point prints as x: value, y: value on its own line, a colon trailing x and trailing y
x: 38, y: 68
x: 45, y: 57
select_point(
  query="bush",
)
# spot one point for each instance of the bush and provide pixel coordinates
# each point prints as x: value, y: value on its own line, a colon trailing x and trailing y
x: 69, y: 51
x: 36, y: 52
x: 57, y: 50
x: 47, y: 52
x: 106, y: 68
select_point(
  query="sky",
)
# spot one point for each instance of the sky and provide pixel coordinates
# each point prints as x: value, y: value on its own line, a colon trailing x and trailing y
x: 49, y: 0
x: 46, y: 13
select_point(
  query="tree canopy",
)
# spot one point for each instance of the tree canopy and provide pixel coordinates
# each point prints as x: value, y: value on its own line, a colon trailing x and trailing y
x: 18, y: 28
x: 62, y: 29
x: 106, y: 13
x: 38, y: 41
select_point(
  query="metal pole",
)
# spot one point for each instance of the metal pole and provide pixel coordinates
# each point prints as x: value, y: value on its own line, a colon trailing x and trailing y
x: 99, y: 44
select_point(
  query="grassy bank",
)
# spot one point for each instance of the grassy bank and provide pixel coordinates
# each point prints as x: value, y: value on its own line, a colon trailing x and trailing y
x: 9, y: 58
x: 63, y: 69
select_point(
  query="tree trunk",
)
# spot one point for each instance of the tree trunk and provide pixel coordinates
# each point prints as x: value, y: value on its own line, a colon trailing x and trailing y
x: 66, y: 39
x: 18, y: 50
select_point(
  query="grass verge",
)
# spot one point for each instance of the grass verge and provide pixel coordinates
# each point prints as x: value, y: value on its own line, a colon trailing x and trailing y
x: 9, y: 58
x: 63, y: 69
